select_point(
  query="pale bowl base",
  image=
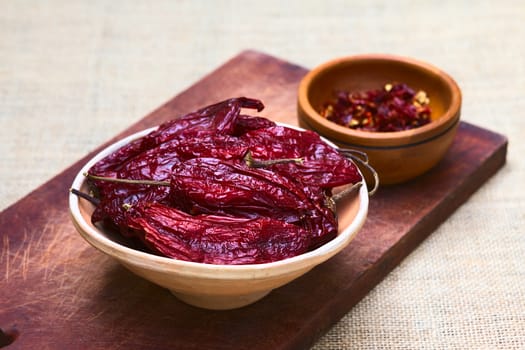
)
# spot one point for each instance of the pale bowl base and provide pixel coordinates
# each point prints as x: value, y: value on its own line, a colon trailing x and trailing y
x: 220, y: 302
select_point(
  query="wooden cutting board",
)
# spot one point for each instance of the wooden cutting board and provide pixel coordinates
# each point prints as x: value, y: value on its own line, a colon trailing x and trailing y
x: 57, y: 292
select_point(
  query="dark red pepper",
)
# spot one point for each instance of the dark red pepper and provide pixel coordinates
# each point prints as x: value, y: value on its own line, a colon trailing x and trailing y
x: 322, y: 165
x: 220, y: 118
x: 209, y: 185
x: 214, y: 189
x: 151, y: 157
x: 214, y: 239
x: 214, y: 186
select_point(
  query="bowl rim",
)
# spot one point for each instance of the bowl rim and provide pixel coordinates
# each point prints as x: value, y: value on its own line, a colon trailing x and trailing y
x: 211, y: 271
x: 379, y: 139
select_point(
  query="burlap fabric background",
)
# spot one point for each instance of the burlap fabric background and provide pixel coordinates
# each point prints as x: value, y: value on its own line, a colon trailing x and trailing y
x: 75, y: 73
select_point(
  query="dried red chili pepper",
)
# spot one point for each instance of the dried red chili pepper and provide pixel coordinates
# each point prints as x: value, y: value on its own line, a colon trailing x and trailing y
x: 212, y: 186
x: 113, y: 205
x: 205, y: 158
x: 245, y: 123
x: 322, y: 165
x: 214, y: 239
x: 220, y: 118
x: 396, y: 107
x: 151, y: 157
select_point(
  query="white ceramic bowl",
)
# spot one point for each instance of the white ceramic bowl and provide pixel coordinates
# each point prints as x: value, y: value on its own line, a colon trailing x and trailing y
x: 206, y: 285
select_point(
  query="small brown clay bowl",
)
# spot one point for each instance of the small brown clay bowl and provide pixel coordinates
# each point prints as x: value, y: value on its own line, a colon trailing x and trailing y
x: 397, y: 156
x: 206, y: 285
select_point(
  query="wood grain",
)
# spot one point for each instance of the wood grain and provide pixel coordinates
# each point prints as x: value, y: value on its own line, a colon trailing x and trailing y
x: 57, y: 292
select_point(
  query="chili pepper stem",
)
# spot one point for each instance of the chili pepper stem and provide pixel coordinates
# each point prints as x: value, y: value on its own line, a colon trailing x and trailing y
x: 351, y: 154
x: 127, y: 181
x: 253, y: 163
x: 85, y: 196
x: 347, y: 191
x: 374, y: 175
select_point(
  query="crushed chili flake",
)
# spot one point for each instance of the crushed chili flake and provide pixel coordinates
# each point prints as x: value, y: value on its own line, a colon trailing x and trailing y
x: 395, y: 107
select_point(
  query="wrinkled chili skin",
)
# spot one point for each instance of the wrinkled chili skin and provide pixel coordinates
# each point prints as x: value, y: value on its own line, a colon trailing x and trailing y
x: 217, y: 209
x: 322, y: 165
x: 151, y: 157
x: 214, y: 239
x: 396, y: 107
x: 219, y: 118
x: 210, y: 185
x: 112, y: 207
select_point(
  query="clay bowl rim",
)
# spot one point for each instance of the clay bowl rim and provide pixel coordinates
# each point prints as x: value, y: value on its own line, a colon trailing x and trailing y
x: 391, y: 139
x: 127, y: 255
